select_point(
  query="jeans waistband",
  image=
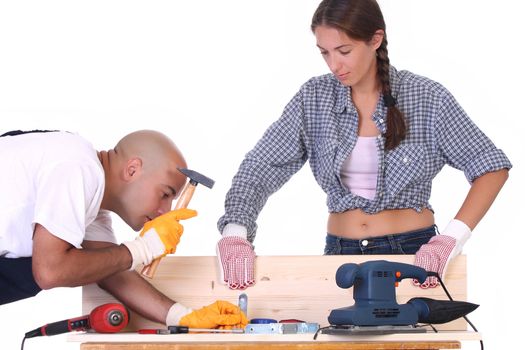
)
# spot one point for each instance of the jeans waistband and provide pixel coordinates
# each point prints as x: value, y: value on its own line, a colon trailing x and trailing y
x: 422, y: 231
x: 395, y: 243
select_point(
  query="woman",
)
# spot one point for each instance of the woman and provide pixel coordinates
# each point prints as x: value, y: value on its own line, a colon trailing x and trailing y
x: 375, y: 138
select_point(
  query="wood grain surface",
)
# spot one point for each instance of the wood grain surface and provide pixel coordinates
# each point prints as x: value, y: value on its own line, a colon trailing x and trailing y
x: 287, y: 287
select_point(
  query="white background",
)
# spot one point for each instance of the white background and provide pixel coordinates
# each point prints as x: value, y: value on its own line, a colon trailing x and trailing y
x: 214, y: 74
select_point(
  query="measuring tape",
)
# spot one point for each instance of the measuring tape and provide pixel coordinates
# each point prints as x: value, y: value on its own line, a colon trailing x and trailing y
x: 281, y: 328
x: 271, y: 326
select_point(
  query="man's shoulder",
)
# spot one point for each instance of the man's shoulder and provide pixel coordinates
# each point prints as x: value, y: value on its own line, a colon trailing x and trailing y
x: 69, y: 138
x: 71, y: 151
x: 47, y: 139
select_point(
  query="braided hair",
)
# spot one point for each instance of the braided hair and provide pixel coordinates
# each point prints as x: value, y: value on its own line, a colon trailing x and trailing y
x: 360, y: 19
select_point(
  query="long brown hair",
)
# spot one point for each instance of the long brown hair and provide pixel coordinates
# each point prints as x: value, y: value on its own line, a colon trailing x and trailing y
x: 360, y: 19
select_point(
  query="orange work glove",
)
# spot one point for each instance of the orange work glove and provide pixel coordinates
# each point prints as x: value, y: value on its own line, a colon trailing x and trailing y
x: 158, y: 237
x: 220, y: 314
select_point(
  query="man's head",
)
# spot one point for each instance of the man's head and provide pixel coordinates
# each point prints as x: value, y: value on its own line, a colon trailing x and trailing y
x: 142, y: 179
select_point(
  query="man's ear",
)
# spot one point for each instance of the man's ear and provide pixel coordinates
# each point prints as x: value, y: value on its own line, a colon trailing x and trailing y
x: 377, y: 39
x: 132, y: 169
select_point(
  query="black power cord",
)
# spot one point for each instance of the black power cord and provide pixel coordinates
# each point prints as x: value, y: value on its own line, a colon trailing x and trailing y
x: 319, y: 330
x: 435, y: 274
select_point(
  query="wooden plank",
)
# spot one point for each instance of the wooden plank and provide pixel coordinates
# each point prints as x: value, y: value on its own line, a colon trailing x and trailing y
x: 208, y: 338
x: 284, y: 346
x: 300, y: 287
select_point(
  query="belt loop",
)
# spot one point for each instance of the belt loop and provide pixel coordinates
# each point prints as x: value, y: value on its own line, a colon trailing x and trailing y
x: 394, y: 244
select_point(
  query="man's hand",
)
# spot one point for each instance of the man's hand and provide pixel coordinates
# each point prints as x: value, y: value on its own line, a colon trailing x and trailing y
x: 236, y: 261
x: 220, y: 314
x: 159, y: 237
x: 437, y: 253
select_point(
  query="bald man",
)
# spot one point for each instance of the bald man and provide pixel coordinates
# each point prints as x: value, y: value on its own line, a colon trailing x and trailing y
x: 55, y: 227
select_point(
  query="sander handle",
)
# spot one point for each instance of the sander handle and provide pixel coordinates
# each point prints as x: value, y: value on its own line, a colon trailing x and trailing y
x: 403, y: 271
x: 348, y: 273
x: 185, y: 197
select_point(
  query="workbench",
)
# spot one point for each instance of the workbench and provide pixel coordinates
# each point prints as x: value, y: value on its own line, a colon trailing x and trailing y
x: 287, y: 287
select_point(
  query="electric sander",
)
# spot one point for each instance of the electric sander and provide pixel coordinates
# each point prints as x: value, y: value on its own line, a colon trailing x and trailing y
x: 376, y: 310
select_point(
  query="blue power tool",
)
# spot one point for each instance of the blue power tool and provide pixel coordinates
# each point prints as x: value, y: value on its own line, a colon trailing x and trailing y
x: 374, y: 285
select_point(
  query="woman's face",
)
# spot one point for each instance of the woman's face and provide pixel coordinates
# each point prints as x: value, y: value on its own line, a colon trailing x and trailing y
x: 353, y: 62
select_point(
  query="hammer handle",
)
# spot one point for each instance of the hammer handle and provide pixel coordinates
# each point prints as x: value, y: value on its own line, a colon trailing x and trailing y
x: 184, y: 199
x: 185, y: 196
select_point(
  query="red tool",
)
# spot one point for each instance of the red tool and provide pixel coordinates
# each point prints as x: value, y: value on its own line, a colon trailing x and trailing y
x: 106, y: 318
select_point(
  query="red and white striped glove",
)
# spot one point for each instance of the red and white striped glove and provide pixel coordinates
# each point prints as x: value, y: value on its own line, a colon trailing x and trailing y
x: 437, y: 253
x: 236, y: 259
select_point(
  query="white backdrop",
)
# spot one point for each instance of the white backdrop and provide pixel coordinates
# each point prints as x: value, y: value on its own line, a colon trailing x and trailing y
x: 214, y: 74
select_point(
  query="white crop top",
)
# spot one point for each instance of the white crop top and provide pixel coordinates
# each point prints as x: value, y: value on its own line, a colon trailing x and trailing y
x: 359, y: 171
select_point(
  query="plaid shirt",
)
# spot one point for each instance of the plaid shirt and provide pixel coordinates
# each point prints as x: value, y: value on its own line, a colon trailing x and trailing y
x: 320, y: 125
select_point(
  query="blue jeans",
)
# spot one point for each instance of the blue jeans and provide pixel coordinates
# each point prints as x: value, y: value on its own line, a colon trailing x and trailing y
x: 399, y: 243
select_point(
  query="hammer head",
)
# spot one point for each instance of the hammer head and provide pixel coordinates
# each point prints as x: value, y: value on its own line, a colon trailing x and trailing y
x: 197, y: 178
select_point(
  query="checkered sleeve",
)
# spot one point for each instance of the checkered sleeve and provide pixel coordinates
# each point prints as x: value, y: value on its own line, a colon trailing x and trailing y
x: 463, y: 145
x: 278, y: 155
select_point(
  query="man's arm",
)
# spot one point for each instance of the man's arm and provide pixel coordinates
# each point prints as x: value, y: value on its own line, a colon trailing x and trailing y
x: 134, y: 291
x: 56, y: 263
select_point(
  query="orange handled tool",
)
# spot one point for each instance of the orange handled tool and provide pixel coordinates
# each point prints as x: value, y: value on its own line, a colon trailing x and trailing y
x: 185, y: 197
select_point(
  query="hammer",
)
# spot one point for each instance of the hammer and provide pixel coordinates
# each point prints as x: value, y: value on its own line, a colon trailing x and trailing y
x: 185, y: 197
